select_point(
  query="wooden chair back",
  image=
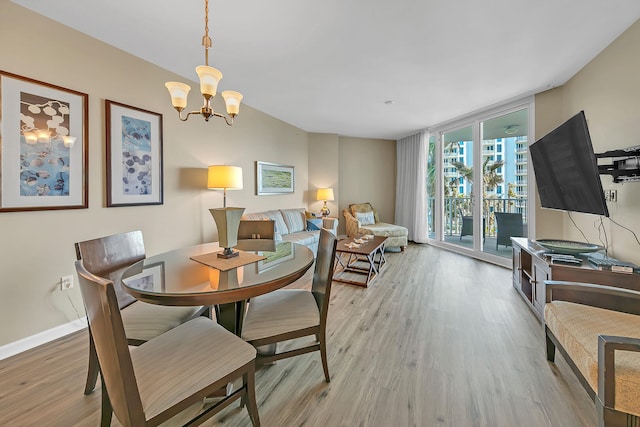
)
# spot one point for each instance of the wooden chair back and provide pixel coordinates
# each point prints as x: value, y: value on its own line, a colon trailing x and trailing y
x: 111, y: 346
x: 323, y: 272
x: 105, y: 256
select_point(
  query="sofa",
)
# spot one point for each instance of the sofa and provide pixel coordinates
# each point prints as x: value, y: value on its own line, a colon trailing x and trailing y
x: 296, y: 225
x: 597, y: 330
x: 362, y: 218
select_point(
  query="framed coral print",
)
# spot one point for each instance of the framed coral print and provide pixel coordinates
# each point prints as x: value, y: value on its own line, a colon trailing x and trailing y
x: 43, y: 145
x: 272, y: 178
x: 134, y: 156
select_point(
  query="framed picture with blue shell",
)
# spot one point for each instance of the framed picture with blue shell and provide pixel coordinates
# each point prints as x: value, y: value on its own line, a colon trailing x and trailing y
x: 134, y: 156
x: 43, y: 145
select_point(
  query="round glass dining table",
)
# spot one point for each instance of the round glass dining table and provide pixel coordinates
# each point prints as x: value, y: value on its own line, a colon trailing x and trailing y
x: 173, y: 278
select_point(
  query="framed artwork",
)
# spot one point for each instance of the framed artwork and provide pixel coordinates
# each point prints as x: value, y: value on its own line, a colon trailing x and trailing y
x: 43, y: 145
x: 272, y: 178
x: 134, y: 156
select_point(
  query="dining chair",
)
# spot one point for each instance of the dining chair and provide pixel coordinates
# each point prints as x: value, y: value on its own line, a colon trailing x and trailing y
x: 107, y: 257
x: 287, y: 314
x: 150, y: 384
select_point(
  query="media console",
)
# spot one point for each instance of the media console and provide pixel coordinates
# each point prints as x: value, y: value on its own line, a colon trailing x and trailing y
x: 531, y: 268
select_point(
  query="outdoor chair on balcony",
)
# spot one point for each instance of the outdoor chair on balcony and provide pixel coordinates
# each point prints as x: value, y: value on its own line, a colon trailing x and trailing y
x: 467, y: 225
x: 508, y: 225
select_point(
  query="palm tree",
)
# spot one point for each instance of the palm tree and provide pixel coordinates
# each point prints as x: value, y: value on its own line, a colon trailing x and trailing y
x: 490, y: 176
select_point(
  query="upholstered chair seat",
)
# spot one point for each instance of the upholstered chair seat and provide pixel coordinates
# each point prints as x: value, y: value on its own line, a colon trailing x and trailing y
x: 288, y: 314
x: 574, y: 325
x: 280, y: 312
x: 108, y: 257
x: 161, y: 366
x: 143, y: 322
x: 150, y: 384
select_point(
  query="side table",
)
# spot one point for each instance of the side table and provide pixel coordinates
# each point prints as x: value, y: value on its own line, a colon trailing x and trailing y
x: 367, y: 259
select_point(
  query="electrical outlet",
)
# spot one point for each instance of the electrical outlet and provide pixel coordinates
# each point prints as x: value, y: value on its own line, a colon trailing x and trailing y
x: 66, y: 283
x: 611, y: 195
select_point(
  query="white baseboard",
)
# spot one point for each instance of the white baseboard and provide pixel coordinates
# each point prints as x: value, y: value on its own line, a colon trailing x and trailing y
x: 40, y: 338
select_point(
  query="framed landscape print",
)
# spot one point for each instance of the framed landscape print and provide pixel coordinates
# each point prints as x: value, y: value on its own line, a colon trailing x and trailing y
x: 134, y: 156
x: 272, y: 178
x: 43, y: 145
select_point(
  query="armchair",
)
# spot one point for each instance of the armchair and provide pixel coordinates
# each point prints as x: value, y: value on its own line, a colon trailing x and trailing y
x: 362, y: 218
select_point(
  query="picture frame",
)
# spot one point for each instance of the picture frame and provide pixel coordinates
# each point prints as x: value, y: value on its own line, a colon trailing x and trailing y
x: 272, y: 178
x: 134, y: 156
x: 44, y: 134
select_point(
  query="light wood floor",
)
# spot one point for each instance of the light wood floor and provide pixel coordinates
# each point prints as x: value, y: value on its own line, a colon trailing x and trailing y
x: 438, y: 340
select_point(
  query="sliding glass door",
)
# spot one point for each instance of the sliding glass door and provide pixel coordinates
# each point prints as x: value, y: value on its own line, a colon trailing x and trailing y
x: 477, y: 183
x: 457, y: 192
x: 505, y: 192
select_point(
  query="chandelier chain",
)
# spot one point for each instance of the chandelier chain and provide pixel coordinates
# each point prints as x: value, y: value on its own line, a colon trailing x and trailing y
x: 206, y: 40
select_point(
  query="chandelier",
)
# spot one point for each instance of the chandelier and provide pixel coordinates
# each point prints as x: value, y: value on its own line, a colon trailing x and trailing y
x: 209, y: 79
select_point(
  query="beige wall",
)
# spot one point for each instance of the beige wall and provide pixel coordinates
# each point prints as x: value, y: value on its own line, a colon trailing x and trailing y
x: 37, y: 247
x: 608, y: 90
x: 324, y: 171
x: 368, y: 174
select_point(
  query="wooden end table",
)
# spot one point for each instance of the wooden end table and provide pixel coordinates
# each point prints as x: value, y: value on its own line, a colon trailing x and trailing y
x: 367, y: 259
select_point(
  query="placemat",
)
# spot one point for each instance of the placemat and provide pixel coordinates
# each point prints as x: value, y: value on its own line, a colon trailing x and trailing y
x: 223, y: 264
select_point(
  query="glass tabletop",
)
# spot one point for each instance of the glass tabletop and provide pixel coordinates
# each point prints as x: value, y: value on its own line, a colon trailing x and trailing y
x: 173, y: 278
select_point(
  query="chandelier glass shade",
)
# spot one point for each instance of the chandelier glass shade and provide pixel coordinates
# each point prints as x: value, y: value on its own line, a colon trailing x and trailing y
x: 209, y: 79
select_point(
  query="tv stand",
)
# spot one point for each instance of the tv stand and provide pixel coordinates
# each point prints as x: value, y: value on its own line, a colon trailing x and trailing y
x: 531, y: 268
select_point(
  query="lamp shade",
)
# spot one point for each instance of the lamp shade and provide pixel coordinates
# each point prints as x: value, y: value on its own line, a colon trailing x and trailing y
x: 209, y: 79
x: 178, y: 92
x: 232, y: 100
x: 224, y: 177
x: 325, y: 194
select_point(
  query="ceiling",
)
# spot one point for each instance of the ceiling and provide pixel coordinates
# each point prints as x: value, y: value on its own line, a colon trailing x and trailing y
x: 330, y: 66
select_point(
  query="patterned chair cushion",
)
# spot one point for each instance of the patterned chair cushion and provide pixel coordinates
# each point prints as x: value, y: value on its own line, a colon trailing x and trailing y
x: 365, y: 218
x: 362, y: 208
x: 577, y: 326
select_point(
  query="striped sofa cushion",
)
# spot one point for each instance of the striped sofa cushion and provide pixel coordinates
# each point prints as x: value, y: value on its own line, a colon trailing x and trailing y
x: 281, y: 226
x: 295, y: 219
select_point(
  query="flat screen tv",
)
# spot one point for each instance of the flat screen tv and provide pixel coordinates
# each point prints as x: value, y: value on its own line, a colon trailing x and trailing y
x: 566, y: 169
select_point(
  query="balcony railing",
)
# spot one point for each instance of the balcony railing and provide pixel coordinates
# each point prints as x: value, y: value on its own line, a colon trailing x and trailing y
x: 453, y: 206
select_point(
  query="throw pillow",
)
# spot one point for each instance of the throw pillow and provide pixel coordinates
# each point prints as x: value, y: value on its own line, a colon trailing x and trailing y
x: 314, y: 224
x: 365, y: 218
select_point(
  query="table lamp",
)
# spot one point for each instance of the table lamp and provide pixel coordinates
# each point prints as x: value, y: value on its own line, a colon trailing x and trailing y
x: 227, y: 219
x: 325, y: 194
